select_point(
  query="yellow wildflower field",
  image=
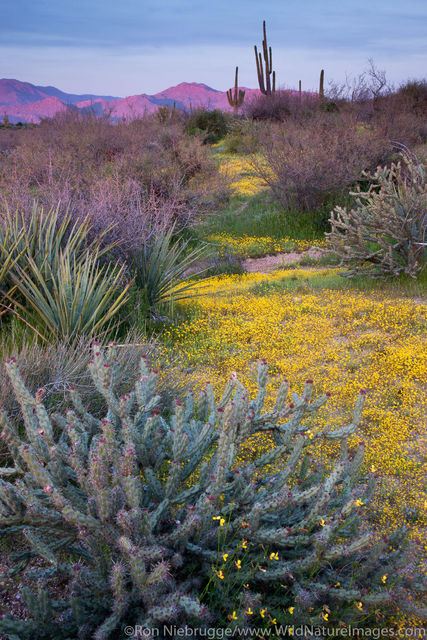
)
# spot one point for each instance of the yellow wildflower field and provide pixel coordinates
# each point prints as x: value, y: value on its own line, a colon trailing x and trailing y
x: 248, y: 246
x: 344, y: 340
x: 239, y: 169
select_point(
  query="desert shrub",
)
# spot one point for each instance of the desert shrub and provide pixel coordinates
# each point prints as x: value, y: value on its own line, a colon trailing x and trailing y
x: 415, y: 93
x: 242, y: 137
x: 281, y: 106
x: 159, y: 270
x: 167, y: 526
x: 386, y: 232
x: 114, y: 172
x: 306, y: 162
x: 213, y: 124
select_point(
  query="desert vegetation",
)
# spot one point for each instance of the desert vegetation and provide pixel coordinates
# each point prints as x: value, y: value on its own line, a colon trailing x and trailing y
x: 186, y: 442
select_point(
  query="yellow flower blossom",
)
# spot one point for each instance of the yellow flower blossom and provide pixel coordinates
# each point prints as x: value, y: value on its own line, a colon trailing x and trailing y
x: 384, y: 578
x: 249, y: 612
x: 238, y: 564
x: 244, y: 544
x: 325, y: 616
x: 225, y: 556
x: 233, y: 616
x: 359, y: 605
x: 220, y: 575
x: 291, y: 610
x: 274, y: 556
x: 322, y: 523
x: 263, y: 612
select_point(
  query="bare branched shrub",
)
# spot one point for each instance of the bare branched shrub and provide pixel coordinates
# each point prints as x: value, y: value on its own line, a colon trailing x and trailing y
x: 386, y: 233
x: 281, y: 106
x: 305, y: 161
x: 142, y: 175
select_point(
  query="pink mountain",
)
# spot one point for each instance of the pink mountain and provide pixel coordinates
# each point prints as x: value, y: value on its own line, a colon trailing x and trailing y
x: 24, y: 102
x: 33, y: 111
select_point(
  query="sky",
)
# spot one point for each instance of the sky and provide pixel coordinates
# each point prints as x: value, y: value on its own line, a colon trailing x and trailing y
x: 144, y: 46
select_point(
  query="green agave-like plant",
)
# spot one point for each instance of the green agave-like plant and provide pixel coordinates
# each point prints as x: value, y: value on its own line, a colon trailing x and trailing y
x: 51, y: 274
x: 41, y: 235
x: 79, y: 297
x: 10, y: 254
x: 160, y: 269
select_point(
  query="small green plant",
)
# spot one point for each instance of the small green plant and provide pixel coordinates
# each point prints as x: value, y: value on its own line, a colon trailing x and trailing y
x: 141, y: 511
x: 159, y: 269
x: 386, y: 233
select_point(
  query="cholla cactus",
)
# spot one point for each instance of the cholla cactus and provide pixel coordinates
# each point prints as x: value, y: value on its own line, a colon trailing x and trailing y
x: 141, y: 501
x: 386, y: 234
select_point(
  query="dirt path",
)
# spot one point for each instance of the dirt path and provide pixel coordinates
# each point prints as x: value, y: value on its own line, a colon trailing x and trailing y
x: 270, y: 263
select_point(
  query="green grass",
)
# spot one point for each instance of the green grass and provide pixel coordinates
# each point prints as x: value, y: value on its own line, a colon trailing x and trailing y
x: 261, y: 216
x: 402, y: 286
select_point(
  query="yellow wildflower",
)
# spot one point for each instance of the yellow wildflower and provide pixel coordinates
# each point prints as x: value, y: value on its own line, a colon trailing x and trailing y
x: 249, y: 612
x: 244, y: 544
x: 225, y: 556
x: 233, y: 616
x: 238, y: 564
x: 274, y: 556
x: 291, y: 610
x: 322, y: 523
x: 359, y: 605
x: 384, y: 578
x: 263, y: 612
x: 220, y: 575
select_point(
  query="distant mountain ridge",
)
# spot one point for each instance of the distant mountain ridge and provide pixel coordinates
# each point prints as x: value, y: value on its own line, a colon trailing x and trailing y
x: 25, y: 102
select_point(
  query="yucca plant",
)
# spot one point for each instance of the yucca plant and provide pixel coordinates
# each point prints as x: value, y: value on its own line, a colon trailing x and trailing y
x: 160, y: 268
x: 10, y: 254
x: 41, y: 235
x: 79, y: 297
x: 52, y: 277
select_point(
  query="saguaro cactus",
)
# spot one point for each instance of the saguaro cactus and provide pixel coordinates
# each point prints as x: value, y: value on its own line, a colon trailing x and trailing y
x: 235, y: 99
x: 265, y: 85
x: 321, y: 84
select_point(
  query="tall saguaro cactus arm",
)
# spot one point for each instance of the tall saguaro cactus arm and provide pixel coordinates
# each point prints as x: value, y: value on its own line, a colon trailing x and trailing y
x: 265, y: 85
x: 235, y: 99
